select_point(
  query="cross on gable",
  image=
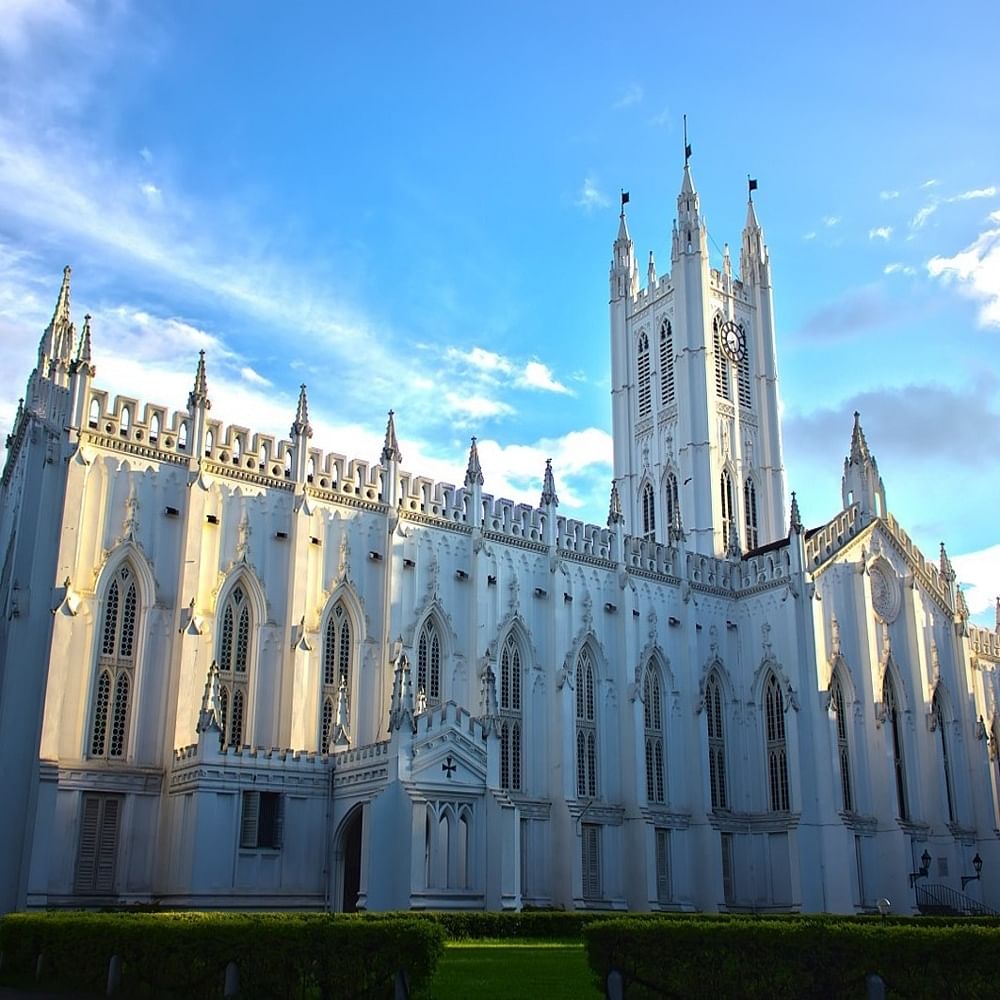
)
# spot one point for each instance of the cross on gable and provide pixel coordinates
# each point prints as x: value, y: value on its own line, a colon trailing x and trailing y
x: 449, y: 766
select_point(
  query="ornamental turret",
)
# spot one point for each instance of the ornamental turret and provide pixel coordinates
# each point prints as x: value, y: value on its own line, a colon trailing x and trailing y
x: 301, y: 432
x: 862, y: 484
x: 198, y: 406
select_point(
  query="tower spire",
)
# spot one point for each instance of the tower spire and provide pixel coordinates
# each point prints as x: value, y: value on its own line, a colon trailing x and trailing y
x: 199, y: 394
x: 624, y: 275
x: 861, y: 483
x: 549, y: 496
x: 301, y: 425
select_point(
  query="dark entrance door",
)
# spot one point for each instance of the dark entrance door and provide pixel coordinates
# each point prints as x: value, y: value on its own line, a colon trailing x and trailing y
x: 352, y: 862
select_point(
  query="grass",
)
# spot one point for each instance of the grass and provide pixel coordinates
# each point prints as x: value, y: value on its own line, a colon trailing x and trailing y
x: 507, y: 970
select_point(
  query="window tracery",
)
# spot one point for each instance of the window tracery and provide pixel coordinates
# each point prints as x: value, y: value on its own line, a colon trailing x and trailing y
x: 653, y: 725
x: 233, y: 661
x: 429, y: 662
x: 776, y: 747
x: 511, y: 721
x: 586, y: 726
x: 716, y: 742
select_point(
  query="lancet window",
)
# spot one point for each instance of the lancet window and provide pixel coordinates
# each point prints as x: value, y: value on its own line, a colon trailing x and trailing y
x: 586, y: 725
x: 750, y: 513
x: 429, y: 662
x: 511, y: 721
x: 837, y: 703
x: 714, y: 703
x: 672, y: 505
x: 937, y: 707
x: 652, y: 703
x: 643, y: 379
x: 648, y: 512
x: 895, y: 724
x: 666, y: 365
x: 723, y: 388
x: 115, y: 677
x: 743, y: 380
x: 337, y: 655
x: 728, y: 506
x: 776, y: 748
x: 233, y: 659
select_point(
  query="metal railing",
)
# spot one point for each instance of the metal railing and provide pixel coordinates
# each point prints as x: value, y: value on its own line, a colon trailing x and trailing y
x: 936, y: 897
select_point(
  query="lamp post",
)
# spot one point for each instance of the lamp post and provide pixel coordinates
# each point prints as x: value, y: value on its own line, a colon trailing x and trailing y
x: 977, y: 863
x: 925, y: 866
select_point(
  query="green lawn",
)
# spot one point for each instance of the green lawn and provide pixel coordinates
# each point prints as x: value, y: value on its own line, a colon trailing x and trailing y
x: 506, y: 970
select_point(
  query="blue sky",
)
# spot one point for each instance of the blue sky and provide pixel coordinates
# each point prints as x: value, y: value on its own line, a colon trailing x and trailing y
x: 412, y: 206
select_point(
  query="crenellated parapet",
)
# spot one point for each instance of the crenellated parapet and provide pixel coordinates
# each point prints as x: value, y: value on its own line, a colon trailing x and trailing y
x: 984, y: 643
x: 824, y: 543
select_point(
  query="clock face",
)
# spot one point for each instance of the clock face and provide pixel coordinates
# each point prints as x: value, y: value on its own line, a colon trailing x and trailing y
x: 734, y: 341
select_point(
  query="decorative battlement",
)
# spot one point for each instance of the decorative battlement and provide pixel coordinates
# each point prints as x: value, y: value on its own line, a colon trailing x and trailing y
x: 443, y: 715
x: 361, y: 756
x: 826, y: 542
x: 930, y: 573
x: 266, y: 756
x: 984, y: 642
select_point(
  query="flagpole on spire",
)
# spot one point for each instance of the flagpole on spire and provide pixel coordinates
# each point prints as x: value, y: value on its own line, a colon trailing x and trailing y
x: 751, y: 186
x: 687, y: 145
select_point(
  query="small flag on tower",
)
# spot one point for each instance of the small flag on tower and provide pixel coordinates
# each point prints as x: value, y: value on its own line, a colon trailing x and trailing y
x: 752, y: 183
x: 687, y: 145
x: 624, y: 198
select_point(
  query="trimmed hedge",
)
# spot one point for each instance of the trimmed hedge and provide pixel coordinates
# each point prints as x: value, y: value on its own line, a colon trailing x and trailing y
x: 806, y: 957
x: 280, y: 956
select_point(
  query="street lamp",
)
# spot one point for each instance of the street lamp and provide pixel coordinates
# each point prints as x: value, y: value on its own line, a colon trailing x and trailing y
x: 925, y: 865
x: 977, y: 863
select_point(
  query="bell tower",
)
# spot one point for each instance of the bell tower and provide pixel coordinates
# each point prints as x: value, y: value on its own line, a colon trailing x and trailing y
x: 697, y: 439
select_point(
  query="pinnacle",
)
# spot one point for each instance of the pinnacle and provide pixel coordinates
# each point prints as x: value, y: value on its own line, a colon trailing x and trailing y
x: 549, y: 496
x: 199, y: 394
x: 474, y: 471
x: 796, y: 517
x: 83, y: 352
x: 615, y: 515
x: 390, y: 450
x: 301, y: 425
x: 859, y: 446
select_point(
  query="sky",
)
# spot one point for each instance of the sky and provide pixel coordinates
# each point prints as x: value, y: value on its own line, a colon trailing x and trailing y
x: 413, y: 206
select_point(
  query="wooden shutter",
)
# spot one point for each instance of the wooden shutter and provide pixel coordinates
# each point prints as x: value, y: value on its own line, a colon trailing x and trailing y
x: 663, y: 891
x: 86, y: 860
x: 591, y: 856
x: 107, y: 845
x: 248, y: 826
x: 98, y: 850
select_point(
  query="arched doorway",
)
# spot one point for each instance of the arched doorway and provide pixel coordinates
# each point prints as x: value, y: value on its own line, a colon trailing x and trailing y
x: 351, y: 855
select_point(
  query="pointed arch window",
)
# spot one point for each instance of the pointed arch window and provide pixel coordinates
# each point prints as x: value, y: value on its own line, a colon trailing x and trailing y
x: 338, y: 652
x: 994, y: 755
x: 837, y: 703
x: 648, y: 512
x: 115, y: 678
x: 672, y: 497
x: 743, y: 379
x: 716, y: 742
x: 728, y: 506
x: 666, y: 364
x: 429, y: 662
x: 750, y: 513
x: 511, y: 721
x: 652, y: 702
x: 776, y: 747
x: 643, y: 380
x: 233, y: 660
x: 892, y: 717
x: 586, y: 726
x: 723, y: 388
x: 941, y: 724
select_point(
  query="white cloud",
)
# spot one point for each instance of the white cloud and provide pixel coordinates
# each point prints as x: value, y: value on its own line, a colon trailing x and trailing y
x: 923, y: 214
x: 976, y: 270
x: 591, y: 196
x: 662, y: 118
x: 880, y: 233
x: 152, y: 192
x: 21, y: 18
x: 632, y: 95
x: 255, y: 377
x: 539, y: 376
x: 979, y: 575
x: 831, y: 220
x: 897, y: 268
x: 888, y: 195
x: 477, y: 407
x: 809, y: 236
x: 986, y: 192
x: 931, y: 182
x: 146, y: 155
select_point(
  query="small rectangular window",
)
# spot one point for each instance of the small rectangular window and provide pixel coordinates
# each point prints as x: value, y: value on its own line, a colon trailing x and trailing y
x: 590, y: 836
x: 727, y: 867
x: 262, y: 821
x: 664, y: 890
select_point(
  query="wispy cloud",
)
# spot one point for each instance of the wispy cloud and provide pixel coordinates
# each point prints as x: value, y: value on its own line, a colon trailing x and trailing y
x: 986, y: 192
x: 976, y: 271
x: 500, y: 370
x: 888, y: 195
x: 663, y: 117
x: 811, y: 235
x: 858, y: 309
x: 831, y: 220
x: 979, y: 575
x: 591, y: 196
x: 898, y: 268
x: 920, y: 219
x: 255, y: 377
x: 632, y: 95
x: 539, y: 376
x: 880, y: 233
x: 930, y: 182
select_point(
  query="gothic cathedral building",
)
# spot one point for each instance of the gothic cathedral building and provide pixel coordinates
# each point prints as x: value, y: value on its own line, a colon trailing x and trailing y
x: 242, y: 672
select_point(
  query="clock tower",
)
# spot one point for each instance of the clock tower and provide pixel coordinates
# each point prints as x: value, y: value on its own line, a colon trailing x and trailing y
x: 697, y: 439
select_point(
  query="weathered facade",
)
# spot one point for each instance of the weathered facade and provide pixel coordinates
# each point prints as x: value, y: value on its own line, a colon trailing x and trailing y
x: 244, y: 672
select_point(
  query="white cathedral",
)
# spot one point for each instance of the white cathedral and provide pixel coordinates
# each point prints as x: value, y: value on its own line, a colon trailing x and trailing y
x: 242, y: 672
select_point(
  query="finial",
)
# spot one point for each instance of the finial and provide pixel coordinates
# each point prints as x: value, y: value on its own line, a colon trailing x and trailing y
x: 651, y: 269
x: 474, y: 471
x: 676, y: 528
x: 615, y: 515
x: 859, y: 446
x: 301, y: 426
x: 733, y: 549
x: 390, y: 450
x: 199, y: 395
x: 61, y: 313
x: 210, y: 716
x: 947, y: 570
x: 796, y: 518
x: 549, y: 496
